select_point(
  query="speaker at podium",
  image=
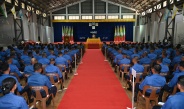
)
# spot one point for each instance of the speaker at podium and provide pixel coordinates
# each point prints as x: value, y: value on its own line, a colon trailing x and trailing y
x: 66, y: 39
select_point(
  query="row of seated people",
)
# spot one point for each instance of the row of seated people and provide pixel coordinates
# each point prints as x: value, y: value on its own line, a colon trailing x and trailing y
x: 162, y: 72
x: 35, y: 74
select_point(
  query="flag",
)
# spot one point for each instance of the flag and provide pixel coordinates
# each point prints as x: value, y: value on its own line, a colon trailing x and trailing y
x: 21, y: 14
x: 14, y: 12
x: 62, y: 33
x: 121, y: 33
x: 166, y: 14
x: 118, y: 33
x: 3, y: 10
x: 124, y: 32
x: 71, y: 39
x: 175, y: 10
x: 115, y: 34
x: 66, y: 31
x: 69, y: 29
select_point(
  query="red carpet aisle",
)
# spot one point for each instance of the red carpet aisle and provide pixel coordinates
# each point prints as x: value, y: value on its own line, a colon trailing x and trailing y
x: 96, y: 86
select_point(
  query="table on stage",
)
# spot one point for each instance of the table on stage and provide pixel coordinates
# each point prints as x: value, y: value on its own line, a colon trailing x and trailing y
x: 93, y: 43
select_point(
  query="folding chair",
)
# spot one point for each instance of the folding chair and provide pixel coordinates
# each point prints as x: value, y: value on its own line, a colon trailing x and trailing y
x: 64, y: 73
x: 153, y: 95
x: 43, y: 67
x: 165, y: 94
x: 126, y: 71
x: 38, y: 96
x: 15, y: 75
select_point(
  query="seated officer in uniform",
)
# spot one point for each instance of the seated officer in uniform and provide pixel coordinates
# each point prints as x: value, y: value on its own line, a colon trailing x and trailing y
x: 10, y: 100
x: 145, y: 59
x: 44, y: 60
x: 60, y: 60
x: 137, y: 67
x: 170, y: 86
x: 125, y: 60
x: 6, y: 70
x: 165, y: 68
x: 29, y: 69
x: 51, y: 68
x: 175, y: 101
x: 13, y: 68
x: 154, y: 80
x: 151, y: 55
x: 51, y: 55
x: 37, y: 79
x: 166, y: 61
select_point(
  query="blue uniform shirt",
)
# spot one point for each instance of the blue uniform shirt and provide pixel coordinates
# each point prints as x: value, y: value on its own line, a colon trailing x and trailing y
x: 15, y: 62
x: 37, y: 79
x: 118, y: 57
x: 29, y: 69
x: 138, y: 68
x: 44, y: 61
x: 174, y: 101
x: 166, y: 61
x: 51, y: 56
x: 38, y: 57
x: 13, y: 68
x: 53, y: 69
x: 165, y: 68
x: 61, y: 60
x: 154, y: 80
x: 174, y: 80
x: 124, y: 61
x: 135, y: 55
x: 176, y: 60
x: 152, y: 56
x: 12, y: 101
x: 4, y: 76
x: 145, y: 60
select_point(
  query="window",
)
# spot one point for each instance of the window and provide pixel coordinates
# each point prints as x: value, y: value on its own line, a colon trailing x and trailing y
x: 113, y: 17
x: 128, y: 16
x: 9, y: 1
x: 73, y: 17
x: 87, y: 17
x: 59, y: 17
x: 165, y: 4
x: 99, y: 17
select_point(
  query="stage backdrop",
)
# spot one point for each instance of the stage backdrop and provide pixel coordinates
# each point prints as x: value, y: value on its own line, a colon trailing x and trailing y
x: 81, y: 31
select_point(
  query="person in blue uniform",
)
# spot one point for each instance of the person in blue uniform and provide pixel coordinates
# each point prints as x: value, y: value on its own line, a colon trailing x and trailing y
x: 177, y: 58
x: 13, y: 68
x: 170, y: 86
x: 165, y: 68
x: 60, y: 60
x: 145, y: 59
x: 37, y: 79
x: 154, y: 80
x: 37, y: 55
x: 175, y: 101
x: 137, y: 67
x: 44, y: 60
x: 51, y: 68
x: 151, y: 55
x: 9, y: 100
x: 51, y: 55
x: 14, y: 61
x: 165, y: 61
x: 118, y: 57
x: 135, y: 54
x: 29, y: 69
x: 125, y: 60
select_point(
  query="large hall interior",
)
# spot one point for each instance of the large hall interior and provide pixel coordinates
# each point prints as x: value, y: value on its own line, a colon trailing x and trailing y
x: 91, y: 54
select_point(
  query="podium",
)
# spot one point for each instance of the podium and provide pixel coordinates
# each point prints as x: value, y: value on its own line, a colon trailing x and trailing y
x: 93, y: 43
x: 66, y: 39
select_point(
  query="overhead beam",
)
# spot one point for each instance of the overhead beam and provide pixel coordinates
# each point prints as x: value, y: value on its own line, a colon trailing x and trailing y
x: 119, y: 5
